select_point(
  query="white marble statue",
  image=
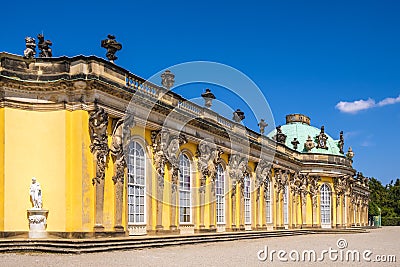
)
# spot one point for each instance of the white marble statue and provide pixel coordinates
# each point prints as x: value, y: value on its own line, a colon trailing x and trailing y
x: 36, y: 194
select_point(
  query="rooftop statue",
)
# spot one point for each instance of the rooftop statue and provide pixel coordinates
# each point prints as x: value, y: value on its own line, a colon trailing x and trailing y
x: 112, y: 47
x: 280, y: 137
x: 44, y: 46
x: 238, y: 115
x: 30, y: 44
x: 262, y: 124
x: 208, y: 98
x: 341, y: 142
x: 167, y: 79
x: 322, y: 138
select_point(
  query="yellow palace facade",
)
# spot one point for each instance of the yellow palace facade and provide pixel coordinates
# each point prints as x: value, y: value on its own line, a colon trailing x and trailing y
x: 106, y: 172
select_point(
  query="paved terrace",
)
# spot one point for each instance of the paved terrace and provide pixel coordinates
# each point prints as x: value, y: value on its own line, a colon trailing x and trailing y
x: 384, y: 241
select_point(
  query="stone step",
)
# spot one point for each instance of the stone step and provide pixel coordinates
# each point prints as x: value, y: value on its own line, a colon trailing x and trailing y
x: 126, y: 243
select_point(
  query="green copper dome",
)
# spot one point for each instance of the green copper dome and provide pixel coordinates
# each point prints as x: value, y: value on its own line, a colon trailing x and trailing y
x: 298, y: 126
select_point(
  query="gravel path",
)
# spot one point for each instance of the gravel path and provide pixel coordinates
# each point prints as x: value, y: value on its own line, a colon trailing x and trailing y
x: 385, y: 241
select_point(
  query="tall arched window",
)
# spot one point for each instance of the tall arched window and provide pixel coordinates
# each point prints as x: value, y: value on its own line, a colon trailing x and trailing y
x: 325, y: 205
x: 220, y: 194
x: 268, y: 209
x: 247, y: 200
x: 185, y: 201
x: 136, y: 183
x: 285, y: 205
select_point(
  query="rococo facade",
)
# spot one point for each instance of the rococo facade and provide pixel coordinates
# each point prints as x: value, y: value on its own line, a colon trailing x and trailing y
x: 106, y: 171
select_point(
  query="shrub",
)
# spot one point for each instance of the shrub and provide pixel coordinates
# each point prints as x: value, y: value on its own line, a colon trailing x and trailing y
x: 390, y: 221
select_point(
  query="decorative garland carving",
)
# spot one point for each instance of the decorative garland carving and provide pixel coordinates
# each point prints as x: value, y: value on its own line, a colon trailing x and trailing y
x: 98, y: 122
x: 237, y: 170
x: 209, y: 156
x: 314, y: 188
x: 117, y: 151
x: 281, y: 179
x: 37, y: 219
x: 340, y: 186
x: 165, y: 149
x: 263, y: 171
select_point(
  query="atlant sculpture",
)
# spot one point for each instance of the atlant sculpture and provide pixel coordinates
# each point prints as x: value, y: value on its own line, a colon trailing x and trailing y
x: 30, y: 44
x: 36, y: 194
x: 44, y: 46
x: 112, y: 47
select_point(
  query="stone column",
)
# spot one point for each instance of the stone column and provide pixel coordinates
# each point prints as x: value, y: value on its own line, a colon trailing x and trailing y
x: 98, y: 226
x: 213, y: 207
x: 174, y: 197
x: 258, y: 210
x: 119, y: 191
x: 117, y: 152
x: 344, y: 207
x: 337, y: 210
x: 174, y: 189
x: 202, y: 191
x: 278, y: 209
x: 241, y: 208
x: 98, y: 122
x: 293, y: 208
x: 160, y: 195
x: 233, y: 196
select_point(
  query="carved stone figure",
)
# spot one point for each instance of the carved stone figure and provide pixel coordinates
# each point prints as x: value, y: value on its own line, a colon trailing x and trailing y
x: 112, y: 47
x: 30, y: 44
x: 98, y: 122
x: 237, y: 166
x: 303, y: 188
x: 35, y: 192
x: 341, y: 143
x: 295, y: 143
x: 237, y: 170
x: 321, y: 139
x: 340, y: 186
x: 238, y: 115
x: 208, y: 98
x: 117, y: 151
x: 263, y: 172
x: 167, y: 79
x: 165, y: 148
x: 314, y: 188
x: 44, y: 46
x: 262, y: 124
x: 350, y: 154
x: 309, y: 144
x: 280, y: 137
x: 209, y: 156
x: 281, y: 180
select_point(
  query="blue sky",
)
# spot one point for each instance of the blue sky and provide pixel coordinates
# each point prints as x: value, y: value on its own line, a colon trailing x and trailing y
x: 306, y: 56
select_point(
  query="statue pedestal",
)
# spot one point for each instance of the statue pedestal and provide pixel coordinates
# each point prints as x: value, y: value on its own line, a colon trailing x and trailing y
x: 37, y: 223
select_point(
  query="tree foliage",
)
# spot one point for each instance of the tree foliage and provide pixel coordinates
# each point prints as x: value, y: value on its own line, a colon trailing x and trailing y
x: 387, y: 198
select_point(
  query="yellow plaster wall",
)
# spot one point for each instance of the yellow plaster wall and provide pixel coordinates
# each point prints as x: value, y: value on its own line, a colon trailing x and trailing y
x: 33, y: 145
x: 79, y: 173
x: 1, y: 169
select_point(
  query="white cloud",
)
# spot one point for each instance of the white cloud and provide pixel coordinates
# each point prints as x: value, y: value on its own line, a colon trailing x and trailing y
x: 356, y: 106
x: 389, y: 101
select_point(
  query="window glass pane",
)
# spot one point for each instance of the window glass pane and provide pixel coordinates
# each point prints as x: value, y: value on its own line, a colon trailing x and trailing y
x: 136, y: 183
